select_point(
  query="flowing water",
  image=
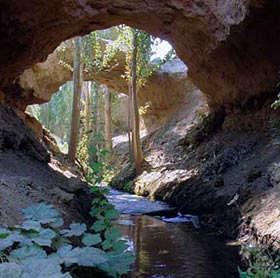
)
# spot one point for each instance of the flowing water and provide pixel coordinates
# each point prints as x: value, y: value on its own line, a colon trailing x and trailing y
x: 167, y: 250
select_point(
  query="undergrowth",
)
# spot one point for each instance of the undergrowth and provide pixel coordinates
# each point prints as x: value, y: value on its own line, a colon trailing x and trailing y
x: 40, y: 248
x: 263, y: 262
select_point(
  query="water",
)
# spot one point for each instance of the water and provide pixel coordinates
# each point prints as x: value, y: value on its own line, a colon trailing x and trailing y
x: 168, y: 250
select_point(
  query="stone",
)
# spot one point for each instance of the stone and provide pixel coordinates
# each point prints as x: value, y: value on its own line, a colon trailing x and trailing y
x: 231, y: 47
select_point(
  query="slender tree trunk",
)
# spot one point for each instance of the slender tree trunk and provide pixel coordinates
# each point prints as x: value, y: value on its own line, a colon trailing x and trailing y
x: 87, y: 106
x: 108, y: 119
x: 95, y: 121
x: 129, y: 129
x: 97, y: 117
x: 77, y: 77
x: 138, y: 154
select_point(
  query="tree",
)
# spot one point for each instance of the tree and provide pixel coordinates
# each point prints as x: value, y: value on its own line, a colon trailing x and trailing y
x: 87, y: 89
x: 137, y: 148
x: 129, y: 125
x: 77, y: 80
x: 108, y: 119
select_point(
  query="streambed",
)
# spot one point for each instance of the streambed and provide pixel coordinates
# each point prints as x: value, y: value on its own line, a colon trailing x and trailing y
x: 170, y: 249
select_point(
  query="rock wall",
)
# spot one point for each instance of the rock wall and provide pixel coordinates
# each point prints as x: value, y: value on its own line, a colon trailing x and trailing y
x: 28, y: 175
x: 230, y: 47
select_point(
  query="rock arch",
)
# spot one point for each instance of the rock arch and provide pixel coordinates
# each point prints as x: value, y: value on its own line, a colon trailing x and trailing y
x: 231, y: 46
x: 166, y: 92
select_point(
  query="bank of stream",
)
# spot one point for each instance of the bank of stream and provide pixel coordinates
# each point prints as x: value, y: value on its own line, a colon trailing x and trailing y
x: 166, y: 250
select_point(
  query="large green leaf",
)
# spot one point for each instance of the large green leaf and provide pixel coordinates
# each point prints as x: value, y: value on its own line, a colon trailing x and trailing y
x: 42, y: 212
x: 15, y: 236
x: 98, y: 226
x: 118, y: 264
x: 120, y: 246
x: 87, y: 256
x: 112, y: 214
x: 11, y: 270
x: 43, y: 268
x: 31, y: 225
x: 76, y: 229
x: 56, y: 222
x: 44, y: 238
x: 28, y: 253
x: 112, y: 234
x: 91, y: 239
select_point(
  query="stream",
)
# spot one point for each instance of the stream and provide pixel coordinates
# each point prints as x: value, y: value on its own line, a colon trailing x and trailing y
x: 170, y: 249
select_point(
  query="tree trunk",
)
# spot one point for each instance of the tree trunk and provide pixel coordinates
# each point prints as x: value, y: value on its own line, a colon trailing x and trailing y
x: 87, y: 108
x: 108, y: 119
x: 77, y: 80
x: 95, y: 121
x: 129, y: 123
x: 138, y: 154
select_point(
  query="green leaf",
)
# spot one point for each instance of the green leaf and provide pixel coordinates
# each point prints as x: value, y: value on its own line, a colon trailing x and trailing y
x: 118, y: 264
x: 112, y: 234
x: 112, y: 214
x: 43, y: 268
x: 105, y: 190
x: 42, y: 212
x: 56, y: 222
x: 28, y: 252
x: 11, y: 239
x: 96, y: 166
x: 11, y: 270
x: 87, y: 256
x: 94, y: 189
x: 107, y: 244
x: 44, y: 238
x: 98, y: 226
x: 4, y: 233
x: 76, y: 229
x: 119, y: 246
x: 31, y: 225
x: 91, y: 239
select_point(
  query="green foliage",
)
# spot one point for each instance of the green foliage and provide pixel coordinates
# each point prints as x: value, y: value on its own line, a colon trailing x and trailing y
x: 105, y: 213
x: 39, y: 249
x: 263, y: 263
x: 276, y: 103
x: 56, y: 114
x: 128, y: 186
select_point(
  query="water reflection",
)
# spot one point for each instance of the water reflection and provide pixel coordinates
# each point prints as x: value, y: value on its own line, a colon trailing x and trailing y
x: 167, y: 250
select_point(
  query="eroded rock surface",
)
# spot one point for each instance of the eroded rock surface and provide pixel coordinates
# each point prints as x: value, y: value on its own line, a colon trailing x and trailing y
x: 29, y: 175
x: 229, y: 177
x: 230, y: 47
